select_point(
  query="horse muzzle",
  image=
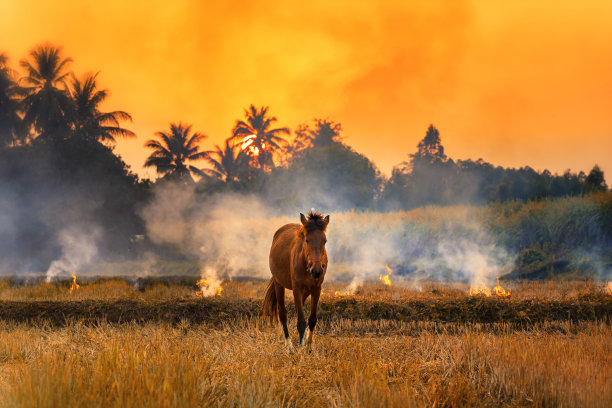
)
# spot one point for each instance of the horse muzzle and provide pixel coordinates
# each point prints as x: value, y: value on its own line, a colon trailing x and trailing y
x: 315, y: 272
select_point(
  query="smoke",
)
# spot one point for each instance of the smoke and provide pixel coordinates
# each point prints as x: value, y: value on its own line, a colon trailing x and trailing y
x: 64, y: 206
x: 231, y: 234
x: 446, y: 244
x: 79, y: 249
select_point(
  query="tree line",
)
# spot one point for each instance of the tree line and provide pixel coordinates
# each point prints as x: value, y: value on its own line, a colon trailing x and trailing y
x: 58, y: 167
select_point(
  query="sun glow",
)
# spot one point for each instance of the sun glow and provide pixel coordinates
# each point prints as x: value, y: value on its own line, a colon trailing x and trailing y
x: 247, y: 145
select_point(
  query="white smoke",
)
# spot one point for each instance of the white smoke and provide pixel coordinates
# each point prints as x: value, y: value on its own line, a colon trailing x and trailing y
x: 79, y: 249
x: 231, y: 235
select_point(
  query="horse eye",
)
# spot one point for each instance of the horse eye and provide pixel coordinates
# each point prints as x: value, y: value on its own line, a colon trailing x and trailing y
x: 306, y: 241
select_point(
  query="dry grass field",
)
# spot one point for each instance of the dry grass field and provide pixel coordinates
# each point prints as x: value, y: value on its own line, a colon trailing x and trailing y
x: 363, y: 355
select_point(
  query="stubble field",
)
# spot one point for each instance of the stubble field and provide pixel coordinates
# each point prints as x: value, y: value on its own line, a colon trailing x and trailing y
x: 107, y: 344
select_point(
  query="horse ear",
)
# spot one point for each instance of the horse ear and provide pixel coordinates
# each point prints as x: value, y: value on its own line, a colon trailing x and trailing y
x: 302, y: 219
x: 327, y: 219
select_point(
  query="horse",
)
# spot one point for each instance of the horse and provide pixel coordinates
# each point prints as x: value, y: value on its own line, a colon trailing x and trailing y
x: 298, y: 262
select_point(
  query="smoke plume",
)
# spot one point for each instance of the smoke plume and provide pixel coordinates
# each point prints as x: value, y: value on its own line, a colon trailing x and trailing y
x: 230, y: 235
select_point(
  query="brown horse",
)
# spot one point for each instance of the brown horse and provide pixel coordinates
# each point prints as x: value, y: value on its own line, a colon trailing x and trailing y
x: 298, y: 262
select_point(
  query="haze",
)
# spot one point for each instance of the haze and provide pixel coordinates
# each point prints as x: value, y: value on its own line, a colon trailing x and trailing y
x: 515, y: 83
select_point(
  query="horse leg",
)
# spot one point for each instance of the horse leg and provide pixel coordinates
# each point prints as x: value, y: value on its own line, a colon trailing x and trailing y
x: 282, y: 313
x: 312, y: 319
x: 299, y: 311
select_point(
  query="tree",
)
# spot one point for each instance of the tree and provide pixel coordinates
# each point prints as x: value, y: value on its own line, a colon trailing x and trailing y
x: 88, y: 121
x: 229, y: 165
x: 595, y: 180
x: 325, y: 133
x: 174, y: 151
x: 430, y: 149
x: 10, y: 122
x: 332, y: 177
x: 256, y: 137
x: 47, y: 105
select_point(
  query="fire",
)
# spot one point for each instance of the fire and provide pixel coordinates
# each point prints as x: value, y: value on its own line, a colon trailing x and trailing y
x: 608, y: 287
x: 483, y: 290
x: 247, y: 143
x: 204, y: 284
x: 74, y: 285
x: 385, y: 278
x: 499, y: 291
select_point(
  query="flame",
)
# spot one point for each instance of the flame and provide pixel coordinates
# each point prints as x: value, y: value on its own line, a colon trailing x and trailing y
x: 337, y: 293
x: 483, y: 290
x: 499, y: 291
x: 74, y: 285
x: 204, y: 284
x: 608, y: 287
x: 385, y: 278
x: 247, y: 143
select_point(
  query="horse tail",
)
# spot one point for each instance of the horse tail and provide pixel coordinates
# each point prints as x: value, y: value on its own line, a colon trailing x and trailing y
x: 270, y: 307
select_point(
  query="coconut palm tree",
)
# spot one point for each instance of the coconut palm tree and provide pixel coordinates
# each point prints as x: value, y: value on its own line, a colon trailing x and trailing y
x: 175, y: 150
x: 10, y: 122
x: 47, y: 106
x: 256, y: 137
x: 229, y: 164
x: 88, y: 121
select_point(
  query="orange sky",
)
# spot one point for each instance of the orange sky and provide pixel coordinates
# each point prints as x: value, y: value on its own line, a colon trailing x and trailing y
x: 514, y: 82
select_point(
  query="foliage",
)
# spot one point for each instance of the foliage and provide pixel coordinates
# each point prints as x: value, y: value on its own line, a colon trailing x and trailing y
x: 174, y: 151
x: 332, y: 177
x: 76, y: 183
x: 430, y: 149
x: 430, y: 177
x: 595, y: 180
x: 88, y: 121
x: 266, y: 141
x: 10, y: 122
x: 46, y: 100
x: 325, y: 133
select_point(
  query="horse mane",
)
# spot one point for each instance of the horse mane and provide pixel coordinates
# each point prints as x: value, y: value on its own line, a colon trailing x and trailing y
x: 314, y: 221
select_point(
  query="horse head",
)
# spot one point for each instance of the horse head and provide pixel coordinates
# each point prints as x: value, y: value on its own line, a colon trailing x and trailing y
x: 313, y: 247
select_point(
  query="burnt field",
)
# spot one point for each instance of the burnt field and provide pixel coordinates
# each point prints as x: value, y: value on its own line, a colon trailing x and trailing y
x: 118, y: 343
x: 120, y: 301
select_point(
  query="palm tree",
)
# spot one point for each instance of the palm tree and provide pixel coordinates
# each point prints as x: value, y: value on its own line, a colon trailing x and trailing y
x: 173, y: 152
x: 9, y: 117
x: 256, y: 138
x: 88, y: 121
x: 46, y: 102
x: 227, y: 165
